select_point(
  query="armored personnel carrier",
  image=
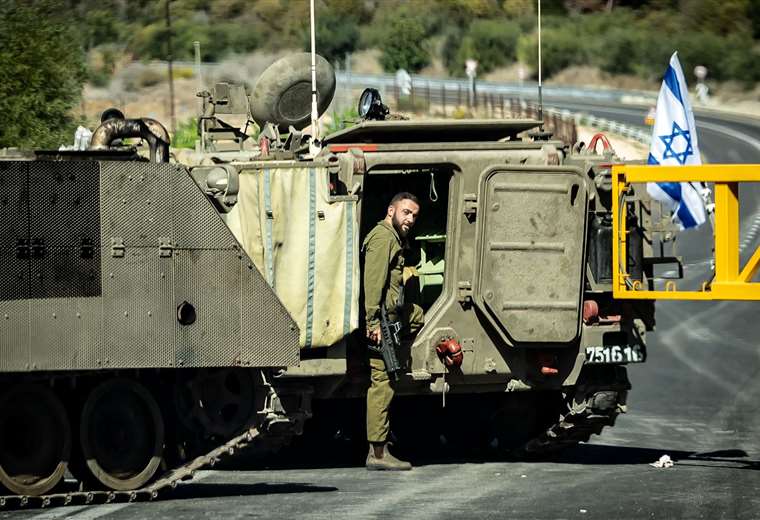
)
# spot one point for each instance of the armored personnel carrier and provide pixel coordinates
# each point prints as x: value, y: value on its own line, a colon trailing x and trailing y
x: 157, y: 316
x: 513, y: 267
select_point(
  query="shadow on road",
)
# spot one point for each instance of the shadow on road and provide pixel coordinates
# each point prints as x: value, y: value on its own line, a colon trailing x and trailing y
x: 609, y: 455
x: 346, y: 455
x: 211, y: 490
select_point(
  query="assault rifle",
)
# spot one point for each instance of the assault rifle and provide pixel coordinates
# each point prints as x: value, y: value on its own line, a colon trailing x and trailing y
x: 389, y: 343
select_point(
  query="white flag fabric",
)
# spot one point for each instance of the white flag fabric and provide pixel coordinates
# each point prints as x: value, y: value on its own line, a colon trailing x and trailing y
x: 674, y: 143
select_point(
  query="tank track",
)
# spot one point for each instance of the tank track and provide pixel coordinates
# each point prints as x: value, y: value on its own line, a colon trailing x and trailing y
x: 593, y: 404
x: 170, y: 480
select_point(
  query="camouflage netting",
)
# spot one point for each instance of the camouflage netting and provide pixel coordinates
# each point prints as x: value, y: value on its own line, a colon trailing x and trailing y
x: 305, y: 246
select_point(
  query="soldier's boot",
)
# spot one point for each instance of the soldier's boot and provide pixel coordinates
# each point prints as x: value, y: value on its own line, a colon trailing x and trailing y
x: 380, y: 459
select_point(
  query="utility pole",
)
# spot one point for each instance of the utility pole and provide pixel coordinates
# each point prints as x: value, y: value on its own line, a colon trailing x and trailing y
x: 169, y: 59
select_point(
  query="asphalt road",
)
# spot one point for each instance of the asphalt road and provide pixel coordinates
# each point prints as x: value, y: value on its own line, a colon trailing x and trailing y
x: 696, y: 400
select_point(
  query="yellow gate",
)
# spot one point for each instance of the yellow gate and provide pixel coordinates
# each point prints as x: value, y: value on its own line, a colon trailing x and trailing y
x: 730, y: 282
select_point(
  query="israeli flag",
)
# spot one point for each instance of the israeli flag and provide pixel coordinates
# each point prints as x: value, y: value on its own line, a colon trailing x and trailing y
x: 674, y: 142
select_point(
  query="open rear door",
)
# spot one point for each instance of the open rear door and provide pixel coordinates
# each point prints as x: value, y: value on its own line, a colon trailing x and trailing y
x: 529, y: 270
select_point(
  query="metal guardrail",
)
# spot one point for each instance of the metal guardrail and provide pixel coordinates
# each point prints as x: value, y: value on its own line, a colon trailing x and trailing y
x: 528, y: 90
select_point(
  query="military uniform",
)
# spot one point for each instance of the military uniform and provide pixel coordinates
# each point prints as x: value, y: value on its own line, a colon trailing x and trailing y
x: 384, y: 275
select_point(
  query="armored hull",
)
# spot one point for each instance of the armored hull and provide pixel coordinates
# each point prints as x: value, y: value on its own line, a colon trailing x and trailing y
x: 134, y: 329
x: 512, y: 264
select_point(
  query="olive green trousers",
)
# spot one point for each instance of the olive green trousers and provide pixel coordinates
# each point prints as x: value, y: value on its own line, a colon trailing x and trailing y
x: 381, y: 388
x: 379, y: 396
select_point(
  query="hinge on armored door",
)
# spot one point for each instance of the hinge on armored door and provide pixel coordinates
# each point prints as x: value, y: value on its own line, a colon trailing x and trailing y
x: 165, y: 247
x: 117, y: 247
x: 470, y: 206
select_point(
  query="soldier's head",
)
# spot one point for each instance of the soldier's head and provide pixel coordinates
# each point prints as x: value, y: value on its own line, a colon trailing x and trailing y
x: 403, y: 211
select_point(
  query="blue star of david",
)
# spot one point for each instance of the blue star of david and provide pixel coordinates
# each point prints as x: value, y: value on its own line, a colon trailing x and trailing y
x: 668, y: 140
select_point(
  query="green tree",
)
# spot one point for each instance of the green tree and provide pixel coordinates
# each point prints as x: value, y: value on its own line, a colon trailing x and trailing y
x: 517, y: 8
x: 42, y: 70
x: 492, y: 42
x: 404, y: 45
x: 718, y: 16
x: 560, y: 48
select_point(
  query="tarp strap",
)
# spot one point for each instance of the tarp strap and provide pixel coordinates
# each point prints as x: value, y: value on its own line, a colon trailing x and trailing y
x: 269, y: 249
x: 312, y: 256
x: 349, y: 268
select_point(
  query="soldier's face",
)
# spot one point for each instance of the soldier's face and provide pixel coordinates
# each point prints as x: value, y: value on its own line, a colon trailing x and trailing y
x: 404, y: 214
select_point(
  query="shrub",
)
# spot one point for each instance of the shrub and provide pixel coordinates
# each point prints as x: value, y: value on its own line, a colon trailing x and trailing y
x: 146, y: 77
x: 452, y: 41
x: 615, y: 50
x: 187, y: 133
x: 493, y: 43
x: 216, y: 39
x: 337, y: 35
x: 404, y: 46
x: 561, y: 47
x: 744, y: 66
x: 183, y: 73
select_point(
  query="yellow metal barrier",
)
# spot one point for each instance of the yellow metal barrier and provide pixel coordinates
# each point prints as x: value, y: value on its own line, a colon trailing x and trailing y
x: 729, y: 283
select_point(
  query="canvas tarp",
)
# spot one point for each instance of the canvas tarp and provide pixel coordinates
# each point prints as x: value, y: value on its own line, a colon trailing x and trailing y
x: 305, y: 245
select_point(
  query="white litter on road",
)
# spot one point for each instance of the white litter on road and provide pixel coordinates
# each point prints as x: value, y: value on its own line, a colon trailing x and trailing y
x: 664, y: 462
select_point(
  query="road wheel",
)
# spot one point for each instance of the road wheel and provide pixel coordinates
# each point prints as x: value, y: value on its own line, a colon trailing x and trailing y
x: 35, y: 440
x: 121, y: 434
x: 220, y: 400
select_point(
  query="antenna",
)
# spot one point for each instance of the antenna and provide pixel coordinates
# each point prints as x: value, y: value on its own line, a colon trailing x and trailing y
x: 201, y: 100
x: 314, y: 146
x: 540, y: 94
x: 169, y: 59
x: 198, y: 71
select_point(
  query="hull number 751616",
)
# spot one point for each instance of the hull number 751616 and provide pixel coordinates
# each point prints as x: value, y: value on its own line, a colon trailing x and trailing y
x: 606, y: 354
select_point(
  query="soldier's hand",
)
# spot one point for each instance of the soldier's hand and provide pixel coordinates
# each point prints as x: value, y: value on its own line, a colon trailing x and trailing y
x: 374, y: 336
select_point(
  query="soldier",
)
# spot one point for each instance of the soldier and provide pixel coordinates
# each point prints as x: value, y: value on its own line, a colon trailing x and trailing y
x: 383, y: 281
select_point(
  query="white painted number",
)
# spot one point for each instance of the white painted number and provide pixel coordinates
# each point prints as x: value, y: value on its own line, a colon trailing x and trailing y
x: 614, y: 354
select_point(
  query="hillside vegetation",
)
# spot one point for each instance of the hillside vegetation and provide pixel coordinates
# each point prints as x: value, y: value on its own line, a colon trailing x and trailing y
x: 87, y: 40
x: 618, y: 36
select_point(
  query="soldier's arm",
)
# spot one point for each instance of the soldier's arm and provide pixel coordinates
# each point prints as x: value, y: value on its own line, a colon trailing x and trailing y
x: 376, y: 260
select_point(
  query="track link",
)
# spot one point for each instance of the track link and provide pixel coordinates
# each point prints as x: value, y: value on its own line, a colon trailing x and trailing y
x: 148, y: 492
x: 593, y: 404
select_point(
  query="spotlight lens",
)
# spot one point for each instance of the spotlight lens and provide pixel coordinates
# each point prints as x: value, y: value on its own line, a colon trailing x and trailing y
x: 365, y: 102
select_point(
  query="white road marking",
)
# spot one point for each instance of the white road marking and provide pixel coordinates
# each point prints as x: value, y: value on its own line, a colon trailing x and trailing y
x: 754, y: 143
